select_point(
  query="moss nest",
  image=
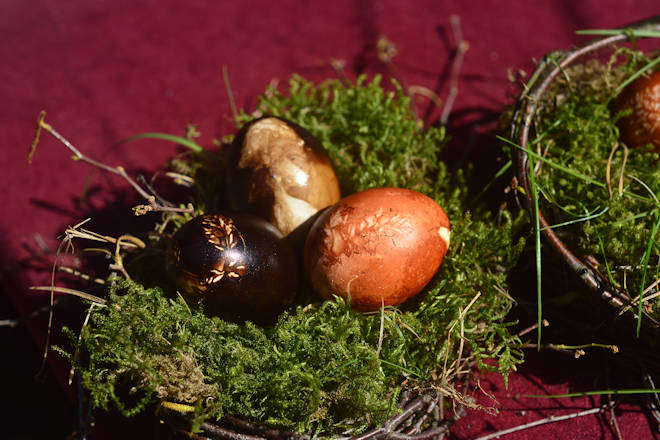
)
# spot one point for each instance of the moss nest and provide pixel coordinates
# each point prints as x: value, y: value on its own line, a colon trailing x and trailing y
x: 321, y: 368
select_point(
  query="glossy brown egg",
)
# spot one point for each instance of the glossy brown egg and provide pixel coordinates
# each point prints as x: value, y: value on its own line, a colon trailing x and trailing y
x: 239, y: 267
x: 280, y: 172
x: 642, y: 126
x: 379, y: 246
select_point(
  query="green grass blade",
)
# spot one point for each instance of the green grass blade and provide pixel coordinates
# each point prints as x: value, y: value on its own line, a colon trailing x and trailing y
x: 166, y: 137
x: 555, y: 165
x: 537, y: 251
x: 637, y: 74
x: 596, y: 393
x: 639, y: 33
x: 578, y: 220
x: 499, y: 174
x: 607, y: 263
x: 645, y: 263
x: 632, y: 218
x: 405, y: 370
x: 569, y: 171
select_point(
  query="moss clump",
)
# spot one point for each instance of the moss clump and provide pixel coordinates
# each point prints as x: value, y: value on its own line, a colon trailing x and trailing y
x: 323, y: 368
x: 602, y: 193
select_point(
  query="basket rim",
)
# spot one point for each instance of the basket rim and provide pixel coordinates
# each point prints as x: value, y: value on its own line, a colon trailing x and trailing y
x: 547, y: 70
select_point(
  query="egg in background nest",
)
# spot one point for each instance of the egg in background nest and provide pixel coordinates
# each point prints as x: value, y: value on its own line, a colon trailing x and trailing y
x: 239, y: 266
x: 642, y: 126
x: 280, y: 172
x: 380, y: 247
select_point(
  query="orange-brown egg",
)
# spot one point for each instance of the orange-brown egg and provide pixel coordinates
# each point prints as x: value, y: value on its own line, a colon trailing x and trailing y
x: 642, y: 126
x: 380, y: 247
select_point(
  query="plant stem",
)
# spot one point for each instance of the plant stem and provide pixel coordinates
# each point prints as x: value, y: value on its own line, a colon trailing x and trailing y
x: 551, y: 419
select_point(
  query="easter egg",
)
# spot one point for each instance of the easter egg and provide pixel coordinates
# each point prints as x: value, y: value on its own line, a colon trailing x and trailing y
x: 376, y: 247
x: 280, y: 172
x: 238, y: 266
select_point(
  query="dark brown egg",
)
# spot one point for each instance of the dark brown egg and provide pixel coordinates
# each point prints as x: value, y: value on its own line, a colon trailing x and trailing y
x: 239, y: 266
x: 280, y: 172
x: 379, y: 246
x: 642, y: 126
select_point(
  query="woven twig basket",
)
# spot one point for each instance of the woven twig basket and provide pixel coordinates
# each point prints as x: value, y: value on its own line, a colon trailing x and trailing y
x: 419, y: 418
x: 527, y: 106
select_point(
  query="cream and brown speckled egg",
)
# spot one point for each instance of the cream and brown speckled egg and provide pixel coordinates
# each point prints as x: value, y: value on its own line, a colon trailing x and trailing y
x: 380, y: 247
x: 280, y: 172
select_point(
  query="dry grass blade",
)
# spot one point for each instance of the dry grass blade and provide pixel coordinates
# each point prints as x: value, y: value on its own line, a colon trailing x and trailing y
x: 608, y: 168
x: 95, y: 299
x: 76, y: 353
x: 460, y: 319
x: 427, y: 93
x: 381, y: 332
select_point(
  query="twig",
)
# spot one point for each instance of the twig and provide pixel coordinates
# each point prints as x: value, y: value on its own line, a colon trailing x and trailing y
x: 338, y: 65
x: 576, y: 354
x: 575, y: 350
x: 156, y: 207
x: 119, y: 171
x: 613, y: 420
x: 646, y: 298
x: 461, y: 48
x: 78, y: 155
x: 653, y: 401
x: 43, y: 247
x: 230, y: 95
x: 427, y: 93
x: 429, y: 410
x: 80, y: 275
x: 385, y: 51
x: 532, y: 327
x: 551, y: 419
x: 151, y: 189
x: 181, y: 179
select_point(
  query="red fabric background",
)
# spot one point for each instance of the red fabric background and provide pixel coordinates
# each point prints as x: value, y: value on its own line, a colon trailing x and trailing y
x: 107, y: 70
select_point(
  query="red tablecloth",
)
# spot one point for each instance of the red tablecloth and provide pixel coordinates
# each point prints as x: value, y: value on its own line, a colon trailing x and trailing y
x: 107, y: 70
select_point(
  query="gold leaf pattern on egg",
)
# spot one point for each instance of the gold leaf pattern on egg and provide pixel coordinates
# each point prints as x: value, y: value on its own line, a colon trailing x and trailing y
x: 223, y: 235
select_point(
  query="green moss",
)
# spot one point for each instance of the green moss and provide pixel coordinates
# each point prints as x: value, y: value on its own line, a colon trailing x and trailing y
x: 322, y: 368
